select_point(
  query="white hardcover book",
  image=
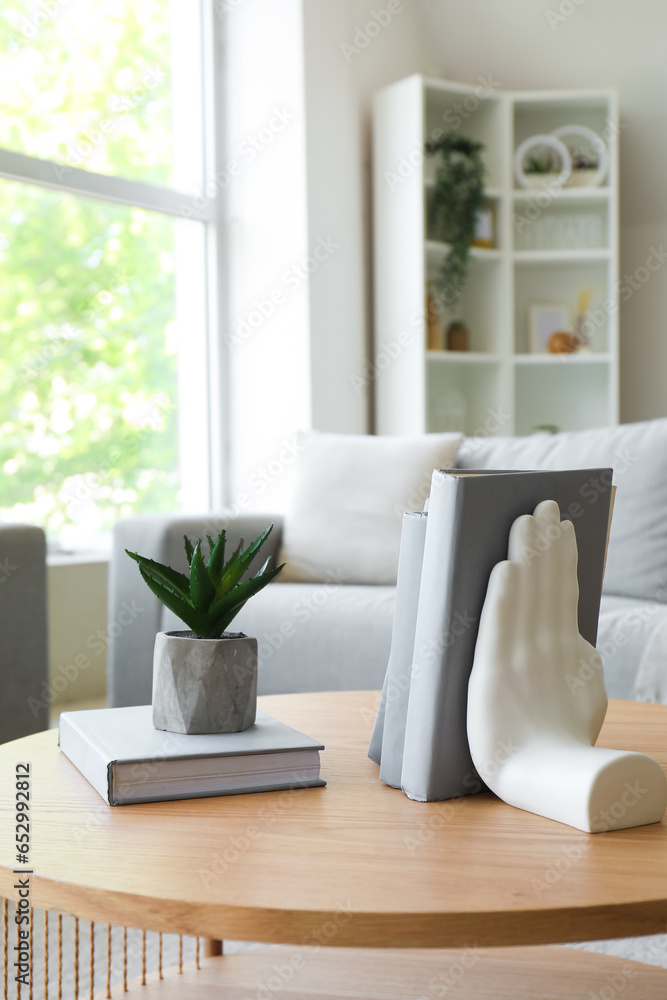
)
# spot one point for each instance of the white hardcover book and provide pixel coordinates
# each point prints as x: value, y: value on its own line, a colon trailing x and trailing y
x: 126, y: 760
x: 387, y: 741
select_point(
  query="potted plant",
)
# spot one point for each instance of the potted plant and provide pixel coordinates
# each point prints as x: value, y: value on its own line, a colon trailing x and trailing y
x: 542, y: 161
x: 205, y: 679
x: 457, y: 198
x: 542, y: 169
x: 585, y: 169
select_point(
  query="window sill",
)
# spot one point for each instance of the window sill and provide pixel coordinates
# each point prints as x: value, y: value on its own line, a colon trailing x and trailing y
x: 69, y: 557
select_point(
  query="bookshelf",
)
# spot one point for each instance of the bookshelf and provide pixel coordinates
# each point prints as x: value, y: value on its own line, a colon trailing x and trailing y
x: 548, y: 248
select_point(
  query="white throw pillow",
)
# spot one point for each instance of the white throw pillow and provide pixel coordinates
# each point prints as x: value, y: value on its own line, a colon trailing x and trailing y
x: 351, y: 492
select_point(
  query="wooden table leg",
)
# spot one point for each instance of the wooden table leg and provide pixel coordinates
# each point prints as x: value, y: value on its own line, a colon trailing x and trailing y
x: 212, y: 947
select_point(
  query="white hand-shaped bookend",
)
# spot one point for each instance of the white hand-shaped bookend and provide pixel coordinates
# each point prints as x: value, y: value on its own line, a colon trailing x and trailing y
x: 532, y: 720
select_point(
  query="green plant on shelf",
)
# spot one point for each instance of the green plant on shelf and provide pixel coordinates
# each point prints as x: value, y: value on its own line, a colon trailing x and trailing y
x: 457, y: 197
x: 585, y: 161
x: 542, y: 163
x: 212, y: 595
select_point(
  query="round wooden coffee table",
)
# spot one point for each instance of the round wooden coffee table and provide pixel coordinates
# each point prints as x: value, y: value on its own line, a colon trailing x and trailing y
x: 355, y: 865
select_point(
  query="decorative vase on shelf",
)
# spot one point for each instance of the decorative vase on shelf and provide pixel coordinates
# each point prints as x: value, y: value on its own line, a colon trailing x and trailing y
x: 457, y: 336
x: 433, y: 327
x: 485, y: 228
x: 588, y: 154
x: 561, y: 342
x: 584, y: 177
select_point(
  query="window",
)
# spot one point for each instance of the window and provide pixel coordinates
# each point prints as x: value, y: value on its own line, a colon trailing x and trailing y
x: 109, y: 372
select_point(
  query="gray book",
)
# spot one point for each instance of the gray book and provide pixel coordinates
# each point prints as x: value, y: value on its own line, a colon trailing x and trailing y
x: 468, y: 524
x: 386, y: 747
x: 126, y: 760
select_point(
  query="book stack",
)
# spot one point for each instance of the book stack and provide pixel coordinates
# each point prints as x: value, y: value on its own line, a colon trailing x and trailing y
x: 447, y: 554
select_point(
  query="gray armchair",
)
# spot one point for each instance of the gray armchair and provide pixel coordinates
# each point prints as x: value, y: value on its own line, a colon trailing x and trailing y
x: 23, y: 626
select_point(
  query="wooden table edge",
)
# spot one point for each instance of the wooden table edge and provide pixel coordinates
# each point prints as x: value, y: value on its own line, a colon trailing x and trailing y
x: 403, y: 929
x: 346, y: 929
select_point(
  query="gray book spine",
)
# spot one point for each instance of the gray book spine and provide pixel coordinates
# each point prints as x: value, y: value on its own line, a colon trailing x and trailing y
x: 436, y: 746
x: 388, y: 737
x: 467, y: 534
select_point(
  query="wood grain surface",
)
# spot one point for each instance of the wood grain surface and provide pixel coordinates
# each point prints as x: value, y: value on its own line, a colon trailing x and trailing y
x: 471, y: 974
x: 352, y: 864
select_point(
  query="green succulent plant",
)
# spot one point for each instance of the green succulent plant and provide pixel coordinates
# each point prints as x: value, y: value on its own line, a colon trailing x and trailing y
x: 547, y: 163
x: 211, y: 597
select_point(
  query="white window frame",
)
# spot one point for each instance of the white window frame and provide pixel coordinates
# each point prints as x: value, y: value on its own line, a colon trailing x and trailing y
x: 205, y: 207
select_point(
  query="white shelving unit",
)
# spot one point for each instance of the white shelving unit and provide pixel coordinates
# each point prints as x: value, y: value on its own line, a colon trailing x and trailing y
x: 498, y: 386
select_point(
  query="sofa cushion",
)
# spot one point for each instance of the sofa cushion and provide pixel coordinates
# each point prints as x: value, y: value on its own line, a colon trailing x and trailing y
x: 637, y: 556
x: 651, y: 681
x: 625, y: 634
x: 351, y: 491
x: 317, y: 637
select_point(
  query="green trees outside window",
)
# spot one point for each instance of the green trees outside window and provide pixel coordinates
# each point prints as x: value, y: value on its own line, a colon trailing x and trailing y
x: 88, y: 354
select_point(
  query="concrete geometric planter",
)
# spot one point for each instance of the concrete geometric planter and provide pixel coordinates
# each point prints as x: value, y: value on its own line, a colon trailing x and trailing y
x: 204, y: 685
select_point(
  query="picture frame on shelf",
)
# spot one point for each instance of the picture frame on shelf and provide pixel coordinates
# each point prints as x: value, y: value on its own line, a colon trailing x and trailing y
x: 545, y: 319
x: 485, y: 227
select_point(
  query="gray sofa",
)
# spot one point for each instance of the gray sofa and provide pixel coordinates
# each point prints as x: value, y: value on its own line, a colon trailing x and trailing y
x: 333, y: 636
x: 24, y: 655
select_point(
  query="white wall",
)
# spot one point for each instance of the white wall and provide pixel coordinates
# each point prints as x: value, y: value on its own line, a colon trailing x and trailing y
x: 269, y: 351
x: 322, y: 61
x: 528, y: 44
x: 302, y: 200
x: 334, y: 208
x: 351, y: 48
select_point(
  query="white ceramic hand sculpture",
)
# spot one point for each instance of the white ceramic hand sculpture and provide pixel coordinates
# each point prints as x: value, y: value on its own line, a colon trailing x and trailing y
x: 532, y: 718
